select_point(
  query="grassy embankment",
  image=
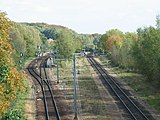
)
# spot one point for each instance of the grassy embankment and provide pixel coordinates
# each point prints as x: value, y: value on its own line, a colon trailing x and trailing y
x: 145, y: 90
x: 18, y: 107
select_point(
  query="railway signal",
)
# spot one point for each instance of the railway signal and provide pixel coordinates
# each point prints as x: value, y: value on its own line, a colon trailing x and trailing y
x: 21, y: 54
x: 21, y: 60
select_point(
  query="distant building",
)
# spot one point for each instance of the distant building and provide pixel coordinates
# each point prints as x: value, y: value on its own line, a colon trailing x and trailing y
x: 50, y: 40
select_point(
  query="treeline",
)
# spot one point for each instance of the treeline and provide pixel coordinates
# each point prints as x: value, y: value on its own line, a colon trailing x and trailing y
x: 25, y: 40
x: 138, y: 51
x: 89, y: 41
x: 69, y: 42
x: 12, y: 82
x: 66, y: 40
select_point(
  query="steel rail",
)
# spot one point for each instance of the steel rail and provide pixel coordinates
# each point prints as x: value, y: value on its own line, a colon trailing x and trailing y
x: 106, y: 77
x: 124, y: 93
x: 36, y: 76
x: 51, y: 91
x: 42, y: 82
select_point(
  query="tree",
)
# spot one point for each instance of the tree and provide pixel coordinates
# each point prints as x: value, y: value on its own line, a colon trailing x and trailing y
x: 25, y: 39
x: 50, y: 33
x: 126, y: 50
x: 11, y: 81
x: 5, y: 47
x: 146, y: 53
x: 158, y: 22
x: 65, y: 43
x: 114, y: 44
x: 102, y: 43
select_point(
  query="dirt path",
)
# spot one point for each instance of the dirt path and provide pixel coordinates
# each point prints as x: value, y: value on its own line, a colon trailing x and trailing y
x: 114, y: 112
x: 95, y: 101
x: 30, y: 106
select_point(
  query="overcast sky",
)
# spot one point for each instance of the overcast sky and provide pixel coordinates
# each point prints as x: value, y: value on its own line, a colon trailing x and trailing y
x: 85, y: 16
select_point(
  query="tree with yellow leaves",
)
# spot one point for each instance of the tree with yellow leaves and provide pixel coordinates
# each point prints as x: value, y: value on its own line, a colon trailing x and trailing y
x: 11, y: 81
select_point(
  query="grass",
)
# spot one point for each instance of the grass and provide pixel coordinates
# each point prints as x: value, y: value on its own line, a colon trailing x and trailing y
x: 88, y: 97
x: 145, y: 89
x: 65, y: 73
x: 154, y: 101
x: 91, y: 102
x: 69, y: 83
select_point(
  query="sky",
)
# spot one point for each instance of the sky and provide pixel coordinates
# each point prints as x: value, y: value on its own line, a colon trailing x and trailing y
x: 85, y: 16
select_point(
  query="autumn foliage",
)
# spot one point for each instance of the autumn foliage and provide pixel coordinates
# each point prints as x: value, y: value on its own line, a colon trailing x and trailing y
x: 11, y: 80
x: 114, y: 40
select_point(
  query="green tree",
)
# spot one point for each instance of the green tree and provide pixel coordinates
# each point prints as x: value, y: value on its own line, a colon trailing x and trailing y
x: 65, y: 43
x: 102, y: 42
x: 126, y: 50
x: 50, y: 33
x: 158, y: 22
x: 24, y: 39
x: 146, y: 53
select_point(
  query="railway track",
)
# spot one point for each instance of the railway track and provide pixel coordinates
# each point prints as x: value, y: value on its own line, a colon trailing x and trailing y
x: 50, y: 107
x: 134, y: 111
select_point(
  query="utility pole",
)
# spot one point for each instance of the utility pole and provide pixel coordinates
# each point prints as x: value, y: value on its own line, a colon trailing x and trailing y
x: 75, y: 85
x: 57, y: 65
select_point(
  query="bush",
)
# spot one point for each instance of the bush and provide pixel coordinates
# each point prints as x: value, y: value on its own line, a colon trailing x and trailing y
x: 13, y: 115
